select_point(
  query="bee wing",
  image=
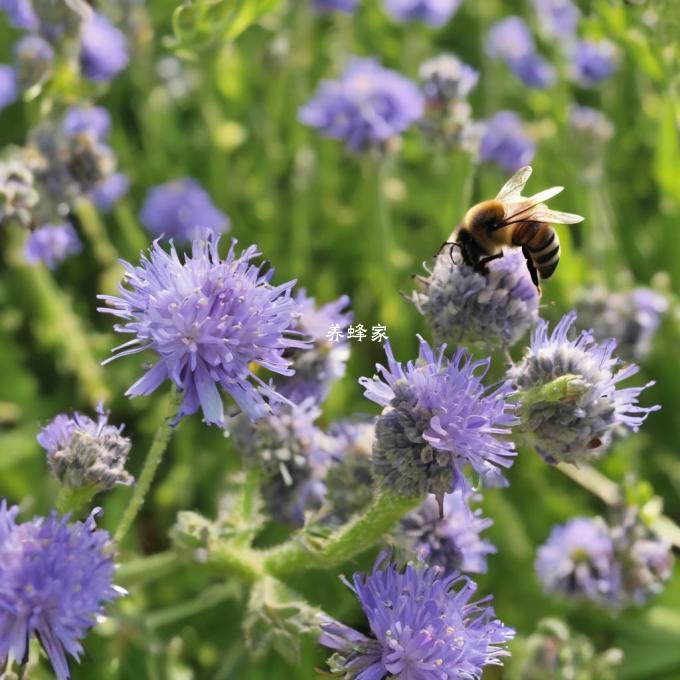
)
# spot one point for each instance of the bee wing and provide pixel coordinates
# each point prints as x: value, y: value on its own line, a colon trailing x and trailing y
x: 543, y: 196
x: 543, y: 214
x: 512, y: 189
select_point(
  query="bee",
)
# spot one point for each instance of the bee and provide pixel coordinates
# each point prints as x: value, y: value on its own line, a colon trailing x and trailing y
x: 513, y: 221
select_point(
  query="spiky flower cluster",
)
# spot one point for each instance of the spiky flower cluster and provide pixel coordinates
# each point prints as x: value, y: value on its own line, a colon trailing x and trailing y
x: 55, y: 578
x: 368, y: 106
x: 462, y: 305
x: 210, y: 321
x: 449, y: 536
x: 611, y: 565
x: 438, y: 417
x: 319, y: 367
x: 423, y: 625
x: 84, y: 452
x: 570, y: 403
x: 293, y: 453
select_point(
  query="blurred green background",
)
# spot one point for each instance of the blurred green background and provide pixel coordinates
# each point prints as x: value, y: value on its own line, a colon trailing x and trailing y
x: 228, y: 117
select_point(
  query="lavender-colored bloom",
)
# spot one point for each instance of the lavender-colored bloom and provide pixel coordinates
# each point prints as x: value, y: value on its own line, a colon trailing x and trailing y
x: 578, y: 560
x: 453, y: 541
x: 344, y: 6
x: 533, y: 70
x: 592, y: 62
x: 292, y: 452
x: 445, y: 78
x: 18, y: 196
x: 57, y: 18
x: 109, y: 191
x: 182, y: 210
x: 509, y: 39
x: 33, y: 58
x: 319, y: 367
x: 576, y: 419
x: 55, y: 578
x: 52, y: 244
x: 20, y: 14
x: 83, y: 452
x: 368, y: 106
x: 557, y: 18
x: 439, y: 417
x: 9, y: 88
x: 631, y: 318
x: 591, y: 125
x: 505, y: 142
x: 423, y: 627
x: 211, y: 321
x: 104, y: 50
x: 435, y: 13
x: 90, y: 120
x: 462, y: 305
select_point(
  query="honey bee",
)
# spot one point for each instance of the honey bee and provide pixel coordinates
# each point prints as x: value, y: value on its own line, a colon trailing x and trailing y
x: 513, y: 221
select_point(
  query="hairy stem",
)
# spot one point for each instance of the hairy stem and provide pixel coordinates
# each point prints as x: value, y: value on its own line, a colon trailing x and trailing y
x: 153, y: 460
x: 74, y: 500
x: 358, y: 535
x: 148, y: 568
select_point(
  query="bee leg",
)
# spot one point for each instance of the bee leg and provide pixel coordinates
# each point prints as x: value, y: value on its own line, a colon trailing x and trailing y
x: 480, y: 266
x: 532, y: 268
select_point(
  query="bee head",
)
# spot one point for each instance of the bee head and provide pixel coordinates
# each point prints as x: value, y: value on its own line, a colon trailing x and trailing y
x: 485, y: 217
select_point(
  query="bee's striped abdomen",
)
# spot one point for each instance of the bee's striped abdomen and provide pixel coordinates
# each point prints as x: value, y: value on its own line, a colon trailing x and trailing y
x: 543, y: 245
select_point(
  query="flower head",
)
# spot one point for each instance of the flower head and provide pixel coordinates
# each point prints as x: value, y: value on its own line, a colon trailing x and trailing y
x: 367, y: 106
x: 33, y: 58
x: 18, y: 195
x: 109, y: 191
x: 90, y: 120
x: 55, y: 578
x: 557, y: 18
x: 509, y: 39
x: 435, y: 13
x: 631, y: 318
x: 462, y: 305
x: 9, y: 88
x: 320, y: 366
x: 438, y: 417
x: 52, y: 244
x: 20, y: 14
x: 571, y: 404
x: 451, y: 541
x: 84, y: 452
x: 445, y: 78
x: 533, y: 70
x: 592, y: 62
x: 291, y: 450
x: 423, y: 627
x: 210, y: 321
x: 104, y: 50
x: 344, y: 6
x: 505, y: 142
x: 55, y: 19
x: 182, y: 210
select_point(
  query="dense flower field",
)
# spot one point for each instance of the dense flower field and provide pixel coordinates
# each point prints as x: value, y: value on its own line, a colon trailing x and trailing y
x: 339, y: 338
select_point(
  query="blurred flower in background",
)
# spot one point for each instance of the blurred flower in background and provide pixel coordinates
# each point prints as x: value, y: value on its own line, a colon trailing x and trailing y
x: 557, y: 18
x: 505, y: 142
x: 9, y: 88
x: 104, y: 51
x: 344, y: 6
x: 592, y: 62
x: 368, y: 106
x: 33, y: 59
x: 52, y: 244
x: 109, y: 191
x: 432, y: 12
x: 18, y: 193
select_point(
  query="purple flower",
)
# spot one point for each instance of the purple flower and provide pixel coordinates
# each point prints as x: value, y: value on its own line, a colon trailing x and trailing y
x: 319, y: 367
x: 83, y: 452
x: 293, y: 453
x: 438, y: 417
x: 344, y: 6
x: 9, y: 88
x: 570, y: 403
x: 181, y: 210
x: 453, y: 541
x: 509, y: 39
x: 89, y: 120
x: 109, y: 191
x: 20, y: 14
x: 446, y: 78
x: 432, y: 12
x: 505, y: 142
x: 55, y: 578
x: 592, y: 62
x: 462, y: 305
x: 578, y: 560
x: 533, y: 70
x: 104, y: 50
x: 557, y: 18
x: 211, y: 321
x: 369, y: 105
x: 33, y: 58
x: 423, y: 627
x: 52, y: 244
x: 591, y: 125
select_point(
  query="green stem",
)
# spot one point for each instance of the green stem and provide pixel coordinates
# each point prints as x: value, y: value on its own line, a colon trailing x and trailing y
x: 237, y: 560
x: 103, y: 250
x: 153, y: 460
x: 135, y: 239
x: 592, y: 480
x: 73, y: 500
x: 358, y: 535
x: 148, y: 568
